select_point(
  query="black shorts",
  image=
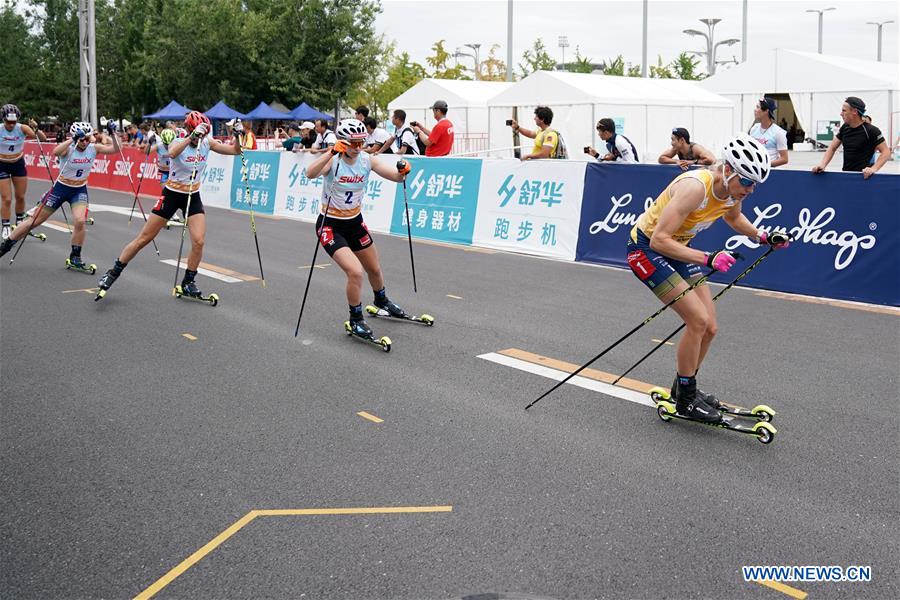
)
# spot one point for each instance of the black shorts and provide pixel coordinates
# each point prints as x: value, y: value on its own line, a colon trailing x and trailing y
x: 171, y: 202
x: 343, y: 233
x: 13, y: 169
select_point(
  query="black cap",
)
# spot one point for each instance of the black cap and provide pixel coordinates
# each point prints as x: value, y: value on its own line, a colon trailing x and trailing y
x: 440, y: 105
x: 857, y: 104
x: 293, y: 126
x: 607, y: 125
x: 682, y: 133
x: 768, y: 104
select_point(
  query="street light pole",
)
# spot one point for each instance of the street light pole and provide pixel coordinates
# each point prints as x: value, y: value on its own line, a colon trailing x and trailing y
x: 879, y: 25
x: 711, y: 45
x: 475, y: 47
x: 744, y: 35
x: 644, y: 43
x: 821, y: 14
x: 509, y: 40
x: 563, y: 44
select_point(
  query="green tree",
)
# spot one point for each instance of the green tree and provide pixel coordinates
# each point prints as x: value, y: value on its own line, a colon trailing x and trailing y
x: 536, y: 58
x: 21, y: 60
x: 581, y: 64
x: 685, y: 67
x: 661, y: 71
x: 439, y: 62
x: 492, y: 68
x: 615, y: 66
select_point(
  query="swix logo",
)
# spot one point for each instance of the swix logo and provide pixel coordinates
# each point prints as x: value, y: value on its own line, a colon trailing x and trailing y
x: 101, y: 165
x: 614, y: 219
x: 149, y: 170
x: 195, y: 159
x: 80, y: 161
x: 9, y: 138
x: 351, y: 179
x: 123, y: 167
x: 810, y: 230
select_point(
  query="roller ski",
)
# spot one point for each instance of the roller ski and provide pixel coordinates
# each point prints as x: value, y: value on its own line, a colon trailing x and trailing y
x: 7, y: 230
x: 360, y: 329
x: 689, y: 407
x: 760, y: 412
x: 76, y: 264
x: 387, y: 308
x: 189, y: 291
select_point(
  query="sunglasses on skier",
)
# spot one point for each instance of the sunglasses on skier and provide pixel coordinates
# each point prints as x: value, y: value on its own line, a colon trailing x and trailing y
x: 746, y: 182
x: 356, y: 143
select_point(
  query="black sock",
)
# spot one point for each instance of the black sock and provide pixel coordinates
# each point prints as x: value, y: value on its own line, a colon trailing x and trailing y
x: 76, y: 251
x: 687, y: 381
x: 20, y: 217
x: 119, y: 266
x: 188, y: 277
x: 356, y: 312
x: 380, y: 295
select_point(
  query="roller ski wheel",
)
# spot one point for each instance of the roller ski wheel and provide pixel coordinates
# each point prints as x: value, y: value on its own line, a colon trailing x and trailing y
x: 760, y: 412
x: 212, y: 299
x: 89, y: 221
x: 384, y: 341
x: 761, y: 430
x: 90, y: 269
x: 380, y: 312
x: 39, y: 236
x: 104, y: 284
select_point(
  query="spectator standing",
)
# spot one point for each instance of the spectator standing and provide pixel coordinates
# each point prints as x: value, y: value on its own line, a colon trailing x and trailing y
x: 768, y: 133
x: 377, y: 136
x: 245, y: 138
x: 404, y: 140
x: 325, y: 138
x: 438, y: 140
x: 618, y: 147
x: 860, y: 139
x: 307, y: 136
x: 684, y: 152
x: 293, y: 138
x: 546, y: 140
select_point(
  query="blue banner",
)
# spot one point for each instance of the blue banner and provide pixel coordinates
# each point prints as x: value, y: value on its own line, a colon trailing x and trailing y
x: 262, y: 173
x: 846, y: 241
x: 443, y: 197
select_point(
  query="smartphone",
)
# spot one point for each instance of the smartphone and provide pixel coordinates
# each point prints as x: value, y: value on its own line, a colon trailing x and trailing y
x: 414, y: 123
x: 509, y: 122
x: 587, y: 149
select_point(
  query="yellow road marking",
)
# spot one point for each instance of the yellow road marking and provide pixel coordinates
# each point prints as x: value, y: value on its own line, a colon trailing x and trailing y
x: 229, y: 272
x: 658, y: 341
x: 784, y: 589
x: 189, y: 336
x: 86, y: 290
x: 454, y: 297
x: 631, y: 384
x: 217, y: 541
x: 372, y: 418
x: 885, y: 310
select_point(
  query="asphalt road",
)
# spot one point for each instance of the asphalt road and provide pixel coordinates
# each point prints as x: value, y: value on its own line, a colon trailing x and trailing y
x: 128, y: 447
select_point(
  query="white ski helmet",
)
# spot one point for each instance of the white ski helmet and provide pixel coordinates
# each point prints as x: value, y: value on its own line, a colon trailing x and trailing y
x: 351, y: 130
x: 85, y: 128
x: 748, y: 158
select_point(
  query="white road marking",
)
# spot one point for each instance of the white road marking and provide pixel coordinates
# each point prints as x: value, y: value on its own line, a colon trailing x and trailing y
x: 557, y: 375
x: 53, y: 226
x: 207, y: 272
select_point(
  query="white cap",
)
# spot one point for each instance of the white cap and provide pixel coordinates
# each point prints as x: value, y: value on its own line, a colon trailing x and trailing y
x: 307, y: 125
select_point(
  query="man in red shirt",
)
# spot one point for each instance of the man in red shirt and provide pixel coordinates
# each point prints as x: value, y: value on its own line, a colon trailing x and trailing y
x: 438, y: 141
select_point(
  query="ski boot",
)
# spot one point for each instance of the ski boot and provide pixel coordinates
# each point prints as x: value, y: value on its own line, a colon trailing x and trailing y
x: 106, y: 282
x: 358, y: 327
x: 6, y: 245
x: 189, y: 291
x: 761, y: 412
x: 76, y: 264
x: 5, y: 231
x: 387, y: 308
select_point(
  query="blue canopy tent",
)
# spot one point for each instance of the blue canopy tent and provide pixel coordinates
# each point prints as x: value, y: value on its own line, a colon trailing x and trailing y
x: 170, y: 112
x: 305, y: 112
x: 222, y: 111
x: 264, y: 112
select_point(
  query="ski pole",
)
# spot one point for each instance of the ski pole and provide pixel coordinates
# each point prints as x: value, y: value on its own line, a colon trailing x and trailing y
x: 682, y: 326
x: 409, y: 233
x: 187, y: 211
x: 137, y: 199
x: 629, y: 334
x: 316, y: 251
x: 246, y: 176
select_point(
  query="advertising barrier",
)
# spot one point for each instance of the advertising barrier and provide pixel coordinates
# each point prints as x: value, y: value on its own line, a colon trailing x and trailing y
x: 846, y: 242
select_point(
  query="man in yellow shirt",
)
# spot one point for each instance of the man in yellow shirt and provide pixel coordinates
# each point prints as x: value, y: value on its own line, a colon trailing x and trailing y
x: 546, y: 140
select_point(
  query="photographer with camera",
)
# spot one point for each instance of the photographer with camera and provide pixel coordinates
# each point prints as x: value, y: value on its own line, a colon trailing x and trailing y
x: 546, y: 140
x: 619, y: 148
x: 439, y: 140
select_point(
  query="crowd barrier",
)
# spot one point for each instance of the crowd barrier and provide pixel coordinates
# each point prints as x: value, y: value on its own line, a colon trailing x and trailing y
x: 846, y: 242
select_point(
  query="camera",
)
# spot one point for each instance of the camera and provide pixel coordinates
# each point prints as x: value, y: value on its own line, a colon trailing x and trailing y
x: 587, y: 149
x: 509, y: 122
x: 414, y: 123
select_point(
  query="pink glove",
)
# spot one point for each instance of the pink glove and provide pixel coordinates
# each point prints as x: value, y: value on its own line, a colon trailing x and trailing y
x: 776, y: 239
x: 720, y: 261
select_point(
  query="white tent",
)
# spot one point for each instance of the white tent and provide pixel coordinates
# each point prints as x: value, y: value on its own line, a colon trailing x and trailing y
x: 816, y: 84
x: 467, y: 101
x: 645, y: 110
